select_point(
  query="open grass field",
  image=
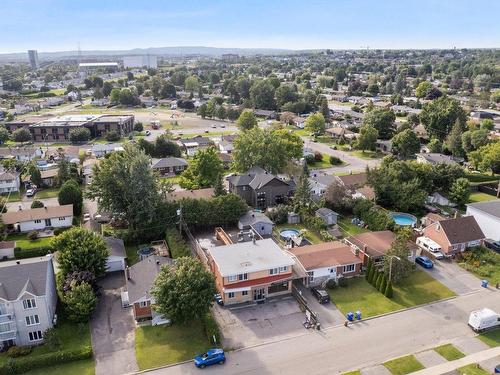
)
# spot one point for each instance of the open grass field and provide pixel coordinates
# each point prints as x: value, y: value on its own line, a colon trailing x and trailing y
x: 416, y: 289
x: 403, y: 365
x: 163, y: 345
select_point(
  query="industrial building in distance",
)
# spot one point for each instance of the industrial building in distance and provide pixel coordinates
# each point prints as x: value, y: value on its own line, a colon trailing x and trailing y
x: 57, y: 128
x: 140, y: 61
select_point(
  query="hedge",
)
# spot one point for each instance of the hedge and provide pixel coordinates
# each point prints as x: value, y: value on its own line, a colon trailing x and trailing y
x: 19, y: 253
x: 28, y: 363
x: 211, y: 329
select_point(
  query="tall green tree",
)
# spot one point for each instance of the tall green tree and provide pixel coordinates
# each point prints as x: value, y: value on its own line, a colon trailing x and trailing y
x: 367, y: 138
x: 80, y: 250
x: 21, y: 135
x: 246, y: 120
x: 302, y: 197
x: 80, y: 302
x: 454, y: 139
x: 70, y: 193
x: 203, y: 171
x: 460, y: 191
x: 486, y: 158
x: 262, y: 94
x: 383, y: 120
x: 315, y: 123
x: 185, y: 292
x: 402, y: 267
x: 405, y: 143
x: 439, y: 116
x: 63, y: 174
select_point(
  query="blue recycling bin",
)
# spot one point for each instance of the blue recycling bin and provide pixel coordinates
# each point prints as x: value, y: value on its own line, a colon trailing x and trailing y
x: 350, y: 316
x: 358, y: 315
x: 484, y: 283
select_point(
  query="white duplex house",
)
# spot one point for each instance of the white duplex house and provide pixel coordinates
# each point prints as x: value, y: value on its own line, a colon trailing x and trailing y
x: 9, y: 182
x: 39, y: 218
x: 28, y: 300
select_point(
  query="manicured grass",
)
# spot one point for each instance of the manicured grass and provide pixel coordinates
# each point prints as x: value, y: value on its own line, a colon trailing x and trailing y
x: 368, y: 154
x: 13, y: 197
x: 416, y: 289
x: 472, y: 369
x: 83, y: 367
x: 449, y: 352
x: 324, y: 163
x: 480, y: 197
x: 403, y: 365
x: 349, y: 228
x: 310, y: 234
x: 357, y: 372
x: 491, y: 338
x: 177, y: 246
x: 23, y: 242
x: 132, y: 256
x: 47, y: 193
x: 174, y: 180
x: 163, y: 345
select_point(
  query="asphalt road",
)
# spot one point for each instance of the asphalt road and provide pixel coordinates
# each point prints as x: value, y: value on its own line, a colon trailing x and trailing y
x: 363, y: 344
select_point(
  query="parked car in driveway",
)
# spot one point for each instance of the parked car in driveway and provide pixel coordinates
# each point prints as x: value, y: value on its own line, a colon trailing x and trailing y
x: 218, y: 299
x: 211, y: 357
x: 493, y: 245
x: 424, y: 262
x: 321, y: 295
x: 30, y: 192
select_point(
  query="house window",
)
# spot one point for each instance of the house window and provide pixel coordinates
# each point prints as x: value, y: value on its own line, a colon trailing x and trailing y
x: 243, y: 276
x: 232, y: 278
x: 29, y: 304
x: 32, y: 320
x: 35, y: 335
x: 143, y: 304
x: 331, y: 270
x: 38, y: 221
x: 349, y: 268
x: 283, y: 269
x: 273, y: 271
x: 230, y: 295
x: 62, y: 218
x: 244, y: 293
x: 311, y: 275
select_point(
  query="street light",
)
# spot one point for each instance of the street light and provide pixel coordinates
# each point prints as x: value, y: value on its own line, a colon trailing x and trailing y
x: 390, y: 264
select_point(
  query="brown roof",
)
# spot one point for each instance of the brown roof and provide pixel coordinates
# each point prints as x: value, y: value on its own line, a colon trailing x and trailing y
x: 434, y: 217
x: 193, y: 194
x: 376, y: 243
x: 462, y: 229
x: 7, y: 244
x: 354, y: 179
x: 49, y: 173
x: 37, y: 214
x: 326, y: 254
x: 367, y: 191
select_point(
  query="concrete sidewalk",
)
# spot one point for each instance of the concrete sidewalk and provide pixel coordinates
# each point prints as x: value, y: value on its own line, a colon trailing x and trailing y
x: 467, y: 360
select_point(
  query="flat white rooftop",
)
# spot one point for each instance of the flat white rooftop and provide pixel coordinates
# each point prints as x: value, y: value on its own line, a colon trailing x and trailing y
x: 246, y: 257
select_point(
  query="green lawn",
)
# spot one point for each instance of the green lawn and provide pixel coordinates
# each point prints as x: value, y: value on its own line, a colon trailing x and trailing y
x: 163, y: 345
x: 404, y: 365
x: 311, y: 235
x: 173, y: 180
x: 349, y: 228
x: 324, y: 163
x: 132, y: 256
x: 13, y: 197
x: 449, y: 352
x: 367, y: 154
x: 23, y: 242
x: 83, y: 367
x: 47, y: 193
x: 480, y: 197
x: 491, y: 338
x: 472, y: 369
x: 416, y: 289
x: 357, y: 372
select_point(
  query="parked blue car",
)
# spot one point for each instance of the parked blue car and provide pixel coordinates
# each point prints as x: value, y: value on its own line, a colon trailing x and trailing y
x: 424, y: 262
x: 211, y: 357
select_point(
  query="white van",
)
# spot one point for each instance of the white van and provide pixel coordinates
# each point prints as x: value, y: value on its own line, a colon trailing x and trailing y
x: 426, y: 243
x: 482, y: 320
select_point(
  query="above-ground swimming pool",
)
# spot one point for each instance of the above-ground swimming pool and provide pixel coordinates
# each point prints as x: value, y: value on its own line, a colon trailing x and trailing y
x: 404, y: 219
x: 286, y: 234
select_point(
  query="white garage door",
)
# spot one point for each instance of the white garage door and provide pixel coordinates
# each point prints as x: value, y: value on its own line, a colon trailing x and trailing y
x: 114, y: 265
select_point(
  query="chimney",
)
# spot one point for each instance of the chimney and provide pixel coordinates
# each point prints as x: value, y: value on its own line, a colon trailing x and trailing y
x: 127, y: 273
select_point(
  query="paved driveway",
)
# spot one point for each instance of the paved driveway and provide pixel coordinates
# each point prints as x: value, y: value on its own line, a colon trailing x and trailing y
x: 454, y: 277
x: 328, y: 314
x: 113, y: 330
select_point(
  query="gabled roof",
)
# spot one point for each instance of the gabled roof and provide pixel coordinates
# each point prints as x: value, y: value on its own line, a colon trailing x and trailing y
x: 253, y: 217
x: 461, y: 230
x: 327, y: 254
x: 349, y: 180
x: 373, y: 243
x: 142, y: 275
x: 8, y: 176
x: 256, y: 178
x: 25, y: 275
x: 170, y: 162
x: 323, y: 211
x: 42, y: 213
x: 434, y: 158
x: 116, y: 246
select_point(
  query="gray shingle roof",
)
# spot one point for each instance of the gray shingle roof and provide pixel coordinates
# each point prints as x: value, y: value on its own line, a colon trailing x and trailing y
x: 170, y: 162
x: 253, y: 217
x: 142, y: 276
x: 490, y: 207
x: 116, y: 246
x: 29, y: 275
x: 323, y: 211
x: 461, y: 230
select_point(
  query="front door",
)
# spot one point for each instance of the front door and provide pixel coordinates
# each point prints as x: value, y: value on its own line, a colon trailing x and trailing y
x: 48, y: 223
x: 259, y: 294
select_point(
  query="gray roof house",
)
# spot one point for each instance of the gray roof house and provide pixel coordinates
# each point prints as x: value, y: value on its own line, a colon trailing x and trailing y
x: 319, y: 182
x: 434, y: 159
x: 117, y: 254
x: 169, y: 166
x: 487, y: 215
x: 28, y: 300
x: 327, y: 215
x: 258, y: 221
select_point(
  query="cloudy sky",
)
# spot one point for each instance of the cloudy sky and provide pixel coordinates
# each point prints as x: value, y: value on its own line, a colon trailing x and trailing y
x: 55, y: 25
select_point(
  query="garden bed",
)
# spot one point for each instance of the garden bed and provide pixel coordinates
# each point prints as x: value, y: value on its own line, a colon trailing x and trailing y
x: 482, y: 262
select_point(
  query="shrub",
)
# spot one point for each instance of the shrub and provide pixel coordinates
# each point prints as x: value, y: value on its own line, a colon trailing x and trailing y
x: 279, y: 213
x: 33, y: 235
x: 51, y: 338
x: 58, y: 231
x: 37, y: 204
x: 388, y: 290
x: 318, y: 156
x: 177, y: 246
x: 374, y: 277
x: 326, y: 236
x: 138, y: 127
x: 211, y: 328
x: 383, y: 284
x: 310, y: 159
x: 331, y: 284
x: 112, y: 136
x: 335, y: 160
x: 342, y: 282
x: 380, y: 275
x: 19, y: 253
x: 18, y: 351
x: 369, y: 269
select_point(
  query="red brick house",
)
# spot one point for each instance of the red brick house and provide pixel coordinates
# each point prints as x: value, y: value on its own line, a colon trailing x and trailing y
x: 455, y: 235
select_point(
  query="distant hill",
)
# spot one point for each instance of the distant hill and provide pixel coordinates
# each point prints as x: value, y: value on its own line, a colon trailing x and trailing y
x: 160, y: 51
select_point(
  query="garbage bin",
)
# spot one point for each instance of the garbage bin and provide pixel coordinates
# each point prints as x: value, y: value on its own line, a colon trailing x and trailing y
x: 358, y: 315
x: 484, y: 283
x: 497, y: 369
x: 350, y: 316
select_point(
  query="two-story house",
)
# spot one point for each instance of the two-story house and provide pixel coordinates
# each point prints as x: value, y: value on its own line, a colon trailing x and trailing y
x: 455, y: 235
x: 261, y: 189
x: 39, y: 218
x: 251, y: 271
x: 28, y: 300
x: 9, y: 182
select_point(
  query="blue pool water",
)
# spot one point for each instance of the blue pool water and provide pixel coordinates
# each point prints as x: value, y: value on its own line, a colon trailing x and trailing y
x: 286, y: 234
x: 404, y: 219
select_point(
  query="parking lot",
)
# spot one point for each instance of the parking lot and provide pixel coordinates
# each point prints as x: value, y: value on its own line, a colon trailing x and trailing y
x: 255, y: 324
